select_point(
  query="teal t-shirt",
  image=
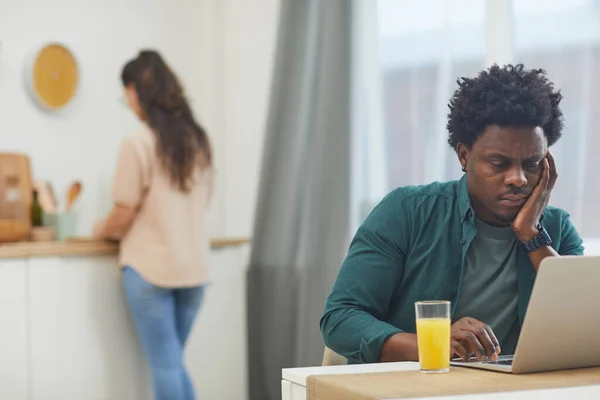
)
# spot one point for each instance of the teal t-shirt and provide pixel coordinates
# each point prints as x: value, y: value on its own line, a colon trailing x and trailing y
x: 489, y: 285
x: 414, y: 246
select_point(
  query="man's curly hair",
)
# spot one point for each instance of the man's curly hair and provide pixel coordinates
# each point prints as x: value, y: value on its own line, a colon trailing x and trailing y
x: 510, y: 96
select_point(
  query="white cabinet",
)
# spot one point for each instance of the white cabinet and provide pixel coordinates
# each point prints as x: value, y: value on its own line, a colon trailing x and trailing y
x: 14, y: 354
x: 217, y: 350
x: 66, y: 333
x: 82, y: 340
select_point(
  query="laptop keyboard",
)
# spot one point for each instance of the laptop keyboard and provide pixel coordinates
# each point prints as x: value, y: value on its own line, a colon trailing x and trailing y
x: 499, y: 362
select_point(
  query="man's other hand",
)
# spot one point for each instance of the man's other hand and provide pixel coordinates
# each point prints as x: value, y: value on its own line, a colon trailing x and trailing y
x: 470, y: 336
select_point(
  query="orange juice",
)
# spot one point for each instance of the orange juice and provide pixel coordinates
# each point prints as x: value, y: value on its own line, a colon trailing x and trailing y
x: 433, y: 335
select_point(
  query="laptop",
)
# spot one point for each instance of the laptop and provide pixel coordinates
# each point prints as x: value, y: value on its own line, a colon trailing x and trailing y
x: 561, y: 329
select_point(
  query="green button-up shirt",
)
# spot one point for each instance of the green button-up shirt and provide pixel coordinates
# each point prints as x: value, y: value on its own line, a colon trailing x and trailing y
x: 413, y: 247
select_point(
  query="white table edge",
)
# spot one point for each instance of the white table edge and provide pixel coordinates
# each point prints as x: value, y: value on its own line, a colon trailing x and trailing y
x: 299, y: 375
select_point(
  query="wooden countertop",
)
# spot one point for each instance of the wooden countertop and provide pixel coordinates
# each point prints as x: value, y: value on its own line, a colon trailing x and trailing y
x: 84, y: 246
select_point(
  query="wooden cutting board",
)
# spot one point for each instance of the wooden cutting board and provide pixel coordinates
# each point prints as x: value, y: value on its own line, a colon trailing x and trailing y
x: 15, y: 225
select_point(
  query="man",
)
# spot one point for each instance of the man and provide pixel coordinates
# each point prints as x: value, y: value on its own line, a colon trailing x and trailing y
x: 477, y: 242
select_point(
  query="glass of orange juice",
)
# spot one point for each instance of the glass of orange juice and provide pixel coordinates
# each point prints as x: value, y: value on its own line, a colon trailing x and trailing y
x: 433, y: 335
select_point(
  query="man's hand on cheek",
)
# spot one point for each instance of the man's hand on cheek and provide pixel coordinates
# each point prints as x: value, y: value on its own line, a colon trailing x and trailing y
x: 470, y: 336
x: 527, y: 220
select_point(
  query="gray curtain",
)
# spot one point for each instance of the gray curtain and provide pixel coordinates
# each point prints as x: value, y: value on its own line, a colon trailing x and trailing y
x: 301, y: 228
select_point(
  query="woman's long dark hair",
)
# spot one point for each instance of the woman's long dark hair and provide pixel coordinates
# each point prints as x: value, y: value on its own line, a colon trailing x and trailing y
x: 182, y: 143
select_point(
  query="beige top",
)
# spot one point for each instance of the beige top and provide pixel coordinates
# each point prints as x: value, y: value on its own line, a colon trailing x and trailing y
x: 168, y: 243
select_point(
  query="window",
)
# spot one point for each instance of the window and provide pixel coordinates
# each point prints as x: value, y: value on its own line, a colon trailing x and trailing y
x: 425, y: 46
x: 563, y: 37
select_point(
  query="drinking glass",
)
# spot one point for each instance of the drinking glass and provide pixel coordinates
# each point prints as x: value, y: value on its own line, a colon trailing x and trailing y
x: 433, y: 335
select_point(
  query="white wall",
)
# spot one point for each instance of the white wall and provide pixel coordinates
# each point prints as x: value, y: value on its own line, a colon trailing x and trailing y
x: 592, y: 246
x: 248, y: 39
x: 222, y: 50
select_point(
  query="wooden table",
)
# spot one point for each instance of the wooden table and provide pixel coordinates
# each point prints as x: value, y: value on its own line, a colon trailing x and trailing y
x: 293, y: 384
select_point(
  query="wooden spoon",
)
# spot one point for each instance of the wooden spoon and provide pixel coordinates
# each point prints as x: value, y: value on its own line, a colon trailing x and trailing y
x: 73, y: 194
x: 52, y: 196
x: 45, y: 197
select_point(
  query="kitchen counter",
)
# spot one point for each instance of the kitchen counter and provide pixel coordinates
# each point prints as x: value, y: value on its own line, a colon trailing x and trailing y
x: 84, y: 246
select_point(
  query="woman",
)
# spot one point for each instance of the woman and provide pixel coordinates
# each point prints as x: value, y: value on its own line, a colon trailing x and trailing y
x: 161, y: 192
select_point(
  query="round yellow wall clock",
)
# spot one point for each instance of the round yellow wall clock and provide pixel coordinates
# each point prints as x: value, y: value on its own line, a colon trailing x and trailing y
x: 53, y: 76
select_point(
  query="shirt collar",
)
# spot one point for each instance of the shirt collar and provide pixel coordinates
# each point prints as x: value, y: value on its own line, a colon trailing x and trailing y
x: 464, y: 200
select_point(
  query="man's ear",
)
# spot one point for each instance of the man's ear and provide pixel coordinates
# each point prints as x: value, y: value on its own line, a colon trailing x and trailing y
x: 462, y: 151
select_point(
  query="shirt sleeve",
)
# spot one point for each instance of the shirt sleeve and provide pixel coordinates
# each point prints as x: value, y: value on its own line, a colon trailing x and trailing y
x: 353, y: 321
x: 130, y: 180
x: 571, y: 243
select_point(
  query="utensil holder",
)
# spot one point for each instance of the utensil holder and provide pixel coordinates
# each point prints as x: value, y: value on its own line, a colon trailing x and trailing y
x: 64, y: 224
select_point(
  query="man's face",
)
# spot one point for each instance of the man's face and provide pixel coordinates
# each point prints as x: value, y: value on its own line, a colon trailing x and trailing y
x: 503, y: 167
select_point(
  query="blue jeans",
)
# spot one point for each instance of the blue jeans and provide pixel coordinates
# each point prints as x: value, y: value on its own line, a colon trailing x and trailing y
x: 163, y: 319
